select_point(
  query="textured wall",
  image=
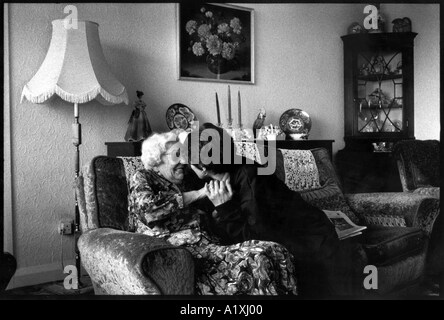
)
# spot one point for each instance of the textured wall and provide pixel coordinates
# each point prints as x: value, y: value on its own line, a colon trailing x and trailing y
x: 299, y: 64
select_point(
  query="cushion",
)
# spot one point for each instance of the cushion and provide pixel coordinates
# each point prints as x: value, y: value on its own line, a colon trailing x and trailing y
x: 111, y: 192
x: 387, y: 245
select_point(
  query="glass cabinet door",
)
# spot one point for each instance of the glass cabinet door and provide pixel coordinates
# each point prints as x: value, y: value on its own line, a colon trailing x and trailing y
x: 379, y: 96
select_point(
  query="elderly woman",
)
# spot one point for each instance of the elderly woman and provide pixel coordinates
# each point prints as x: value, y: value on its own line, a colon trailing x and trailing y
x: 161, y: 205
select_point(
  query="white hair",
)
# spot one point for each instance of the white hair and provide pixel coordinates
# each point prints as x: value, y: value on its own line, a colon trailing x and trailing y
x: 154, y: 147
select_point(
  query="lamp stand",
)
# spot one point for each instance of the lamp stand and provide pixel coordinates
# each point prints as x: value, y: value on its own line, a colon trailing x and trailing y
x: 77, y: 141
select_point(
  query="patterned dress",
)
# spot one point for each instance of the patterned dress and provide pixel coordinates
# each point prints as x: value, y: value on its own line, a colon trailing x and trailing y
x: 247, y: 268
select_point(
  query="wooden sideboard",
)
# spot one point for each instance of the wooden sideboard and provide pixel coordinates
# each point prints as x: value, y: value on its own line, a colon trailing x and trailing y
x: 133, y: 149
x: 123, y: 149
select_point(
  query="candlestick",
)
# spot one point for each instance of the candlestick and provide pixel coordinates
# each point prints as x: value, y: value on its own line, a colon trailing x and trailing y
x: 229, y: 106
x: 239, y: 108
x: 218, y: 110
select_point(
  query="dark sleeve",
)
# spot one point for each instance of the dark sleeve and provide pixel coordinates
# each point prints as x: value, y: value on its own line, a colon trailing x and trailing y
x: 233, y: 220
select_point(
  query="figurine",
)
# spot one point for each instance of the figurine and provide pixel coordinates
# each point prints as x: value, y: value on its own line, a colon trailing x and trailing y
x: 402, y: 25
x: 138, y: 125
x: 364, y: 70
x: 379, y: 65
x: 355, y: 27
x: 259, y: 122
x: 378, y: 98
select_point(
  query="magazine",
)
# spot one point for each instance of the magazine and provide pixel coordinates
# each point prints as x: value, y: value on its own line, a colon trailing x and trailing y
x: 344, y: 226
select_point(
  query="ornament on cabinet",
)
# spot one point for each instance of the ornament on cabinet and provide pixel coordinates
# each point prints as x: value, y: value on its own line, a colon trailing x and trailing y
x: 402, y: 25
x: 355, y: 27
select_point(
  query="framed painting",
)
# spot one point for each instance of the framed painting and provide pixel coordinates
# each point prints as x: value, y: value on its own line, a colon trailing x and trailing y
x: 215, y: 42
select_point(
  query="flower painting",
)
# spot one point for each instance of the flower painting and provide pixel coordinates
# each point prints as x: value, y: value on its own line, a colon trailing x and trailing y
x: 215, y: 43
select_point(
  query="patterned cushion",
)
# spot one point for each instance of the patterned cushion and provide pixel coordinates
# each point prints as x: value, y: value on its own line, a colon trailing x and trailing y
x: 110, y: 193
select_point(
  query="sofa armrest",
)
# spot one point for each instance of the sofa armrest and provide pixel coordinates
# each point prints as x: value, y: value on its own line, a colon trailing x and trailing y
x: 122, y: 263
x: 395, y: 209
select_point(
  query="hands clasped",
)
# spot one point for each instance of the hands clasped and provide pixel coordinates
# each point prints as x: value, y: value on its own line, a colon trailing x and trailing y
x: 218, y: 191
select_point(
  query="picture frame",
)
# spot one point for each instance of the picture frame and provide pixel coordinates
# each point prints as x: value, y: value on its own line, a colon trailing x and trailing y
x: 215, y: 42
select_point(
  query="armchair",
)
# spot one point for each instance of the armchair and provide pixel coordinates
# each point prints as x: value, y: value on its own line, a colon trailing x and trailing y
x: 121, y: 262
x: 398, y: 225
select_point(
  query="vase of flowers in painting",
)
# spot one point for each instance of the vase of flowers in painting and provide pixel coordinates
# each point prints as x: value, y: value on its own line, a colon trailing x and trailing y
x: 215, y: 38
x: 217, y: 64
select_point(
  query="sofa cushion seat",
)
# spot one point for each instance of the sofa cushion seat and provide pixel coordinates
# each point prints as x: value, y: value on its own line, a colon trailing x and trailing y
x: 386, y: 245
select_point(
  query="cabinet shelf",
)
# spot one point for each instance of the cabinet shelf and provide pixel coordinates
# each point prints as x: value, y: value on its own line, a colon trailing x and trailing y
x: 380, y: 77
x: 383, y: 107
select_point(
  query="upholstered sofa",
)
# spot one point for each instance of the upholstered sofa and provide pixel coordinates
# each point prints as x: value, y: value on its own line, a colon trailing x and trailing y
x: 121, y: 262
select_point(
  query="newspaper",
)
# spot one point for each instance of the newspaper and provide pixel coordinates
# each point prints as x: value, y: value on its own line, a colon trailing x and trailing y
x: 345, y: 228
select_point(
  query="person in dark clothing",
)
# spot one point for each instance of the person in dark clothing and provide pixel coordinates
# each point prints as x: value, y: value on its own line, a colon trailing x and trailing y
x: 249, y: 206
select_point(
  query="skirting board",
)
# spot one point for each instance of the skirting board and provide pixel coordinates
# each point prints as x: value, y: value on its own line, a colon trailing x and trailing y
x: 30, y: 276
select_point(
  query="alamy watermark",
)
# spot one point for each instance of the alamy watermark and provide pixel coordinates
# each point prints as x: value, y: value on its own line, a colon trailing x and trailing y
x: 217, y: 149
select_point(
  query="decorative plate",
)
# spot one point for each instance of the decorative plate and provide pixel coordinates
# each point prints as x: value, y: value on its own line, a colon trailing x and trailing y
x: 295, y: 121
x: 179, y: 116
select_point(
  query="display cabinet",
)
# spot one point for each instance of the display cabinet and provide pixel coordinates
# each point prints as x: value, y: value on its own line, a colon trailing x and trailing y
x: 378, y: 106
x: 378, y: 79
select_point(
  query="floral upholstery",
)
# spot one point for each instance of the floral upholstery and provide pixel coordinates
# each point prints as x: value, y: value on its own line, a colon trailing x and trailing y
x: 121, y: 262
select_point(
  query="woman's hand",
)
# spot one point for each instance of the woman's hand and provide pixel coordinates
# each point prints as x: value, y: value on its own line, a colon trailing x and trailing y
x: 219, y: 192
x: 192, y: 196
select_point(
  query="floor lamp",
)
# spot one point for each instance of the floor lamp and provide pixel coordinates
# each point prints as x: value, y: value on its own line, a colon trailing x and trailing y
x: 76, y: 70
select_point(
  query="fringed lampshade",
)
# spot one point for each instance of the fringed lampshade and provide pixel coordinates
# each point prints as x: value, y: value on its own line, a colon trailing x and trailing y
x: 75, y: 69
